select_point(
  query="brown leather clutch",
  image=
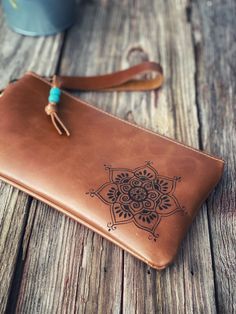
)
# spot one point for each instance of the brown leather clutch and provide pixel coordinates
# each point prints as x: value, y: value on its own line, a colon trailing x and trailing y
x: 136, y: 188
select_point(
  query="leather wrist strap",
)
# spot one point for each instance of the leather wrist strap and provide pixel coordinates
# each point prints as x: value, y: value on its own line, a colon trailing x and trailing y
x: 125, y: 80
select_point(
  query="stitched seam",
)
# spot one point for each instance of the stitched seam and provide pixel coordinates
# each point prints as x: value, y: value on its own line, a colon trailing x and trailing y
x: 77, y: 99
x: 35, y: 193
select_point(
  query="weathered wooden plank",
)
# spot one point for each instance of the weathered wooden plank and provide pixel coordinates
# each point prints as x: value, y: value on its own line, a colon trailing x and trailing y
x: 214, y: 27
x: 188, y: 285
x: 13, y: 216
x: 67, y: 265
x: 17, y: 55
x: 111, y: 35
x: 93, y: 283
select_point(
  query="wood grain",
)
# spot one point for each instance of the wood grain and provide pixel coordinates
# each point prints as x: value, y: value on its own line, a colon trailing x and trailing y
x: 214, y: 27
x: 51, y: 264
x: 109, y: 36
x: 13, y: 216
x: 18, y: 54
x: 61, y: 254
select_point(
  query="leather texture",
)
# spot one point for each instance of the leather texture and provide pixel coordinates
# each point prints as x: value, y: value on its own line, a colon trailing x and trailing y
x: 124, y: 80
x: 134, y: 187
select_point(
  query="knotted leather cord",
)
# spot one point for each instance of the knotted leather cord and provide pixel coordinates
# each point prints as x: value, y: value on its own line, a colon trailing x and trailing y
x: 51, y: 110
x: 124, y: 80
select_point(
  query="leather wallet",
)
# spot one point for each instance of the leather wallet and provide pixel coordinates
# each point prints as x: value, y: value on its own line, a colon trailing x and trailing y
x: 136, y: 188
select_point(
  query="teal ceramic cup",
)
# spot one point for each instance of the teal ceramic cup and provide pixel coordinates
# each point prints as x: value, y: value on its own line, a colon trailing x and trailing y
x: 39, y: 17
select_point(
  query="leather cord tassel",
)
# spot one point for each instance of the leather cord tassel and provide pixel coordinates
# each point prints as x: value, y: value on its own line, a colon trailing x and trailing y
x: 51, y: 108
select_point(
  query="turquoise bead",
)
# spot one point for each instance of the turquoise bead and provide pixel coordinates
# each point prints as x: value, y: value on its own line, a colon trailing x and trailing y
x: 55, y: 91
x: 54, y: 95
x: 53, y: 98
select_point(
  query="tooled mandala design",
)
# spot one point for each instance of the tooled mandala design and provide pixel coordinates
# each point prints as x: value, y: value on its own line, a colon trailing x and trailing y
x: 140, y: 196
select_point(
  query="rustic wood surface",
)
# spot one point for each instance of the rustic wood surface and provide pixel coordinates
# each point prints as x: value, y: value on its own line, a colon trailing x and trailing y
x: 51, y: 264
x: 17, y: 55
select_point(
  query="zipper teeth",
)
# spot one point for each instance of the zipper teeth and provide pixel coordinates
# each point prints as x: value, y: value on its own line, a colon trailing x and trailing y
x: 77, y: 99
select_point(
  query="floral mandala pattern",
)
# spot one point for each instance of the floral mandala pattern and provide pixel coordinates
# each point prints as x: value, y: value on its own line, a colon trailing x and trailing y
x: 140, y: 196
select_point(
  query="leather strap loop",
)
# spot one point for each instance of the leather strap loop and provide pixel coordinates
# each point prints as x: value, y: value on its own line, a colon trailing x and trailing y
x: 125, y: 80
